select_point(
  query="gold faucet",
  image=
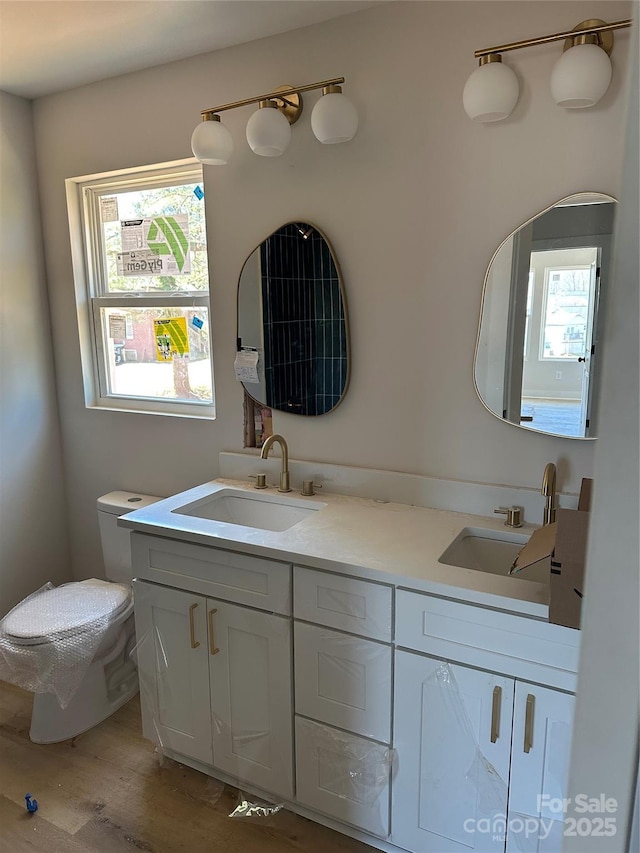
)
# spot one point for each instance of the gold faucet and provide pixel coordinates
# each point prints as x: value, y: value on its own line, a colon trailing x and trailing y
x: 549, y: 491
x: 264, y: 454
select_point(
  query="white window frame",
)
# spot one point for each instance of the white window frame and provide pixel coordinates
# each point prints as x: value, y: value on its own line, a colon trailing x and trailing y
x: 90, y: 281
x: 565, y: 359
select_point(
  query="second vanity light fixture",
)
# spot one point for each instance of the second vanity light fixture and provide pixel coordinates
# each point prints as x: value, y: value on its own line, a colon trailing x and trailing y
x: 334, y: 119
x: 579, y: 78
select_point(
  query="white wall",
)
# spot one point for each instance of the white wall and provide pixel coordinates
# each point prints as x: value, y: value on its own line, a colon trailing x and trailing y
x: 605, y: 744
x: 414, y: 208
x: 33, y: 529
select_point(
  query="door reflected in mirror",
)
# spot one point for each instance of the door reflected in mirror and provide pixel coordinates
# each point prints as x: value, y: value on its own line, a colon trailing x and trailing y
x: 292, y: 312
x: 540, y: 332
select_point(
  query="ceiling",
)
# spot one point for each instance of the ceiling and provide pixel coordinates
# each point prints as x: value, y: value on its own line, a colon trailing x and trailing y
x: 48, y: 46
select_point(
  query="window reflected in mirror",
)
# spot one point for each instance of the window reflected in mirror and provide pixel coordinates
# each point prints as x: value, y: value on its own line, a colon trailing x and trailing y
x: 540, y: 333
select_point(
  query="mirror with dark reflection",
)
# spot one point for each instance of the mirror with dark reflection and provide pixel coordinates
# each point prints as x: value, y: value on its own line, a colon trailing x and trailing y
x: 292, y: 312
x: 540, y: 333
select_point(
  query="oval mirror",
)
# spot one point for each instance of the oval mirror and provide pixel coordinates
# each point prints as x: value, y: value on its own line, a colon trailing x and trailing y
x: 536, y: 361
x: 292, y: 311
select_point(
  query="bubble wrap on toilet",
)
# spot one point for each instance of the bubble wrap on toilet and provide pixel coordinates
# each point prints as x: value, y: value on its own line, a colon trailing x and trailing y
x: 48, y: 641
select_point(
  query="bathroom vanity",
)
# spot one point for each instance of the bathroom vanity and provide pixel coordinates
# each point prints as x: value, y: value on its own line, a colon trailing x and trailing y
x: 338, y: 667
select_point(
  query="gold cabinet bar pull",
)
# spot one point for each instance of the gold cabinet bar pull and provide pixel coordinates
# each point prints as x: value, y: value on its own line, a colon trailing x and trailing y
x: 528, y: 722
x: 495, y: 714
x: 212, y: 643
x: 192, y: 630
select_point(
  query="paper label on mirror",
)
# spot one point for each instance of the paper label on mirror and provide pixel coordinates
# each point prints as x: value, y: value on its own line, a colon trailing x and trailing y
x: 246, y: 366
x: 155, y: 246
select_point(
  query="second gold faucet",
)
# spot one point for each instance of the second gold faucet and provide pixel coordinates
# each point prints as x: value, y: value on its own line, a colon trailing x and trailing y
x: 549, y: 491
x: 264, y: 454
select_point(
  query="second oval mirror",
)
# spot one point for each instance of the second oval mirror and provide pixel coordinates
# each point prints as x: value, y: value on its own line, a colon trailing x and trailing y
x: 292, y: 312
x: 538, y: 345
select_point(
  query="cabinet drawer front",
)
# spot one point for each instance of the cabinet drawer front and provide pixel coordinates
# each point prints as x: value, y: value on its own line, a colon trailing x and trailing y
x: 343, y: 776
x: 242, y: 579
x: 356, y: 606
x: 343, y: 680
x: 432, y: 625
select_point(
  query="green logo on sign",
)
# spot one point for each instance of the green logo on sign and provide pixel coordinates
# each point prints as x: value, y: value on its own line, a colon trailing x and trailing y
x: 175, y: 240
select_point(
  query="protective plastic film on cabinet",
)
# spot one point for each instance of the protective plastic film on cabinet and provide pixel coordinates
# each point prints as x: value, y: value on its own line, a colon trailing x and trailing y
x: 447, y: 794
x: 215, y: 685
x: 481, y: 790
x: 344, y: 681
x: 344, y: 603
x: 156, y: 695
x: 48, y: 641
x: 343, y: 775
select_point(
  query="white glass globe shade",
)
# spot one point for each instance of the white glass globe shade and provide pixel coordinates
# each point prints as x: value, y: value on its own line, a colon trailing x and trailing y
x: 581, y: 76
x: 268, y: 132
x: 212, y: 143
x: 491, y: 92
x: 334, y: 119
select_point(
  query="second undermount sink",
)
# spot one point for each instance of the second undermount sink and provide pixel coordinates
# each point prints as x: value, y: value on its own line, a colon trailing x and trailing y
x: 263, y: 512
x: 490, y: 551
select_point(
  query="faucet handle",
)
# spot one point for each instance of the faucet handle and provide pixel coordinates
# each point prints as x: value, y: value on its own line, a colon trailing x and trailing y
x: 308, y: 487
x: 261, y: 480
x: 513, y: 515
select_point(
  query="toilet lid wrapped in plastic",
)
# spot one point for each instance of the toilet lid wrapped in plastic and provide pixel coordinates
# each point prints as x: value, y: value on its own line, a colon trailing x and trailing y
x: 67, y: 608
x: 47, y: 642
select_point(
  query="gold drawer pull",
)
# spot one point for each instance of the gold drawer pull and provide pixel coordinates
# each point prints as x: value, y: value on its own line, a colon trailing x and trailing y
x: 212, y: 643
x: 192, y: 630
x: 495, y: 714
x: 528, y: 722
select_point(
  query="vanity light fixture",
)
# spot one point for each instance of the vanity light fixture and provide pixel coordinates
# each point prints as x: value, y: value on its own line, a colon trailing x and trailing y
x: 579, y: 79
x: 334, y: 119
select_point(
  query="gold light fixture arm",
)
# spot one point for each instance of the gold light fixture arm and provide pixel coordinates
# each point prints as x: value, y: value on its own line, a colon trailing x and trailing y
x: 591, y: 27
x: 278, y: 95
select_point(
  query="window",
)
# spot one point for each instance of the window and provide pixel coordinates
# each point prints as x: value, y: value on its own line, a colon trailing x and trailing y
x: 142, y: 286
x: 568, y: 311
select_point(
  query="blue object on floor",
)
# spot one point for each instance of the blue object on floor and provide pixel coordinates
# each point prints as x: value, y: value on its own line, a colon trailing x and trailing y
x: 32, y: 805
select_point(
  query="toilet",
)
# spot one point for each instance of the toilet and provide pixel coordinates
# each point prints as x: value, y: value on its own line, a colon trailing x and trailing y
x: 96, y: 613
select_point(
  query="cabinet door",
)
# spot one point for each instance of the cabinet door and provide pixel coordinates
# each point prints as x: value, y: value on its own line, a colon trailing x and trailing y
x: 171, y: 632
x: 542, y: 724
x: 250, y: 673
x: 452, y: 733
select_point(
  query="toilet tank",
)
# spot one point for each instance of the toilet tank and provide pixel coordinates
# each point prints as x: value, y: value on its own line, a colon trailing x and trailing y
x: 116, y: 549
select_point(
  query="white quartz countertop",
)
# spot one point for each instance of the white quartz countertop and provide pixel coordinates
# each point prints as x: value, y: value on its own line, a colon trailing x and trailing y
x: 386, y: 542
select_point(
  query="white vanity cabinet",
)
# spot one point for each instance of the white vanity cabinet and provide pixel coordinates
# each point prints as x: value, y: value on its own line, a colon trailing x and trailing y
x: 215, y: 676
x: 343, y: 694
x: 418, y: 722
x: 479, y: 753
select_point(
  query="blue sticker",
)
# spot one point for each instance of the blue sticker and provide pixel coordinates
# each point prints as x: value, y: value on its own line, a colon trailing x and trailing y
x: 199, y: 193
x: 197, y: 322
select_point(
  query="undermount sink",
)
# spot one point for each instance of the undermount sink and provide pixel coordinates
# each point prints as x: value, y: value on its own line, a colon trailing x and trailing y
x: 263, y: 512
x: 490, y: 551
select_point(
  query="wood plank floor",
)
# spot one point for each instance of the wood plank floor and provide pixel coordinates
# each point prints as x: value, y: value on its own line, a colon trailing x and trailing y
x: 107, y: 791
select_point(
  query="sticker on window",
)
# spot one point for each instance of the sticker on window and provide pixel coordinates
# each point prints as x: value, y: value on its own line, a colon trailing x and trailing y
x: 171, y: 338
x: 117, y: 326
x: 155, y: 246
x: 109, y: 208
